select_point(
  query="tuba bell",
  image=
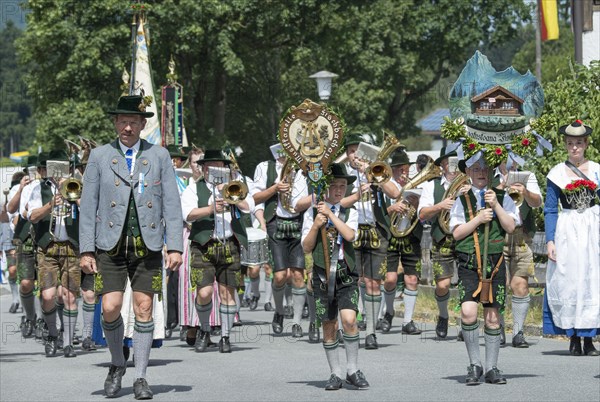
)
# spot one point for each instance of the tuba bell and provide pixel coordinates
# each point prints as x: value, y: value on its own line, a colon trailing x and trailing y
x: 452, y: 192
x: 379, y: 172
x: 401, y: 225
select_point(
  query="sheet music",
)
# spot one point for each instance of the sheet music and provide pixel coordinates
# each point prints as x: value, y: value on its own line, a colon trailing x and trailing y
x: 367, y: 152
x: 517, y: 177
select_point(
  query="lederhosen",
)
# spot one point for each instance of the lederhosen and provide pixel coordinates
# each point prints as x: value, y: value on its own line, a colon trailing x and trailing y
x: 23, y: 241
x: 442, y: 247
x: 129, y: 258
x: 346, y: 281
x: 209, y: 258
x: 57, y: 261
x: 406, y: 250
x: 284, y: 233
x: 372, y: 243
x: 469, y: 282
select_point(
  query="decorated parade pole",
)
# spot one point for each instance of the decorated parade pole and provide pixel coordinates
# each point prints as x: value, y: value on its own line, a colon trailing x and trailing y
x: 172, y: 110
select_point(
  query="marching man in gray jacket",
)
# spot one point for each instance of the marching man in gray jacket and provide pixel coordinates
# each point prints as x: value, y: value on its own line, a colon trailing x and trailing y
x: 130, y: 208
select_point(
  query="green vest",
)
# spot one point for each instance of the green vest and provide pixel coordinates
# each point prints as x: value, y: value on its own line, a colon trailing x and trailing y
x: 380, y: 212
x: 527, y: 219
x: 131, y: 227
x: 271, y: 203
x: 42, y: 228
x: 496, y: 234
x: 438, y: 194
x: 318, y: 255
x: 203, y: 228
x: 22, y: 229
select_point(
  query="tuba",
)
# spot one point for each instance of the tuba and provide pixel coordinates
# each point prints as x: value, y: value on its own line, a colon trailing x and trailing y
x: 452, y: 192
x: 401, y: 225
x: 236, y: 190
x: 379, y: 171
x: 288, y: 175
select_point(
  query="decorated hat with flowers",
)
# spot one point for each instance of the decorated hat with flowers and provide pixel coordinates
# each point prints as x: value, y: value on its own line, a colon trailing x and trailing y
x: 575, y: 129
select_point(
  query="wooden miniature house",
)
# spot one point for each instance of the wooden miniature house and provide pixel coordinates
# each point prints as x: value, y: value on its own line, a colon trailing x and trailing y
x: 497, y: 101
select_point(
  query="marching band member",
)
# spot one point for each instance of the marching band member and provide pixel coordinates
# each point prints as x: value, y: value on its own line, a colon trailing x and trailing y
x: 215, y: 238
x: 341, y: 224
x: 284, y: 230
x: 373, y: 235
x: 7, y: 217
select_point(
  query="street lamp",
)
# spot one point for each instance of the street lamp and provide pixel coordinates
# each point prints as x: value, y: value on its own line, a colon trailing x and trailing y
x: 323, y: 79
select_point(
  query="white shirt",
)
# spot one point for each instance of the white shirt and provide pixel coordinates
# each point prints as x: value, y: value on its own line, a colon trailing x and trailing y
x: 427, y: 197
x: 189, y: 201
x: 457, y: 213
x: 35, y: 202
x: 260, y: 184
x: 364, y: 208
x: 25, y: 196
x: 135, y: 148
x: 352, y: 223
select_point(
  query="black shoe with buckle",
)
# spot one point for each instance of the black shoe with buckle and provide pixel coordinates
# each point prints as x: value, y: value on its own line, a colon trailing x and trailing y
x: 588, y: 347
x: 51, y: 346
x: 253, y: 303
x: 334, y: 383
x: 305, y: 312
x: 371, y: 342
x: 112, y: 384
x: 297, y: 331
x: 203, y: 342
x: 314, y: 334
x: 13, y: 308
x: 88, y: 344
x: 575, y: 346
x: 410, y: 329
x: 268, y: 306
x: 27, y: 328
x: 474, y: 373
x: 441, y: 329
x: 386, y: 322
x: 494, y: 376
x: 224, y: 345
x: 68, y: 351
x: 518, y: 341
x: 277, y: 323
x: 358, y: 380
x: 141, y: 389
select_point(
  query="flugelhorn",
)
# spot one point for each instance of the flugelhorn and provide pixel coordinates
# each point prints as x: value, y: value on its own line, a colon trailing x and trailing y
x: 401, y: 225
x: 453, y: 192
x: 236, y: 190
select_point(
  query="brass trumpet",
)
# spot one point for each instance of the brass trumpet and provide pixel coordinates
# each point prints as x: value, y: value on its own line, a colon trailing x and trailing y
x: 453, y: 192
x: 235, y: 191
x: 516, y: 196
x: 70, y: 189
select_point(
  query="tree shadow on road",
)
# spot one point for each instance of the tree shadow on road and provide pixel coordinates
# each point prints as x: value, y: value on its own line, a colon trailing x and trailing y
x: 14, y: 357
x: 127, y: 392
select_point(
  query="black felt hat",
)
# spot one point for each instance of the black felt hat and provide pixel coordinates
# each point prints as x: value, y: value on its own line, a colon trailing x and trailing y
x: 175, y: 151
x: 352, y: 139
x: 338, y: 171
x: 576, y: 129
x: 400, y: 158
x: 444, y: 155
x: 133, y: 104
x: 213, y: 155
x: 55, y: 155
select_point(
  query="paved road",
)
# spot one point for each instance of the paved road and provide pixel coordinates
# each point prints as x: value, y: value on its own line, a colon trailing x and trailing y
x: 267, y: 368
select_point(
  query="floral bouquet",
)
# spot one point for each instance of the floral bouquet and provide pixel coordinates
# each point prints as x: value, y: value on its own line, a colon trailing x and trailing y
x: 580, y: 194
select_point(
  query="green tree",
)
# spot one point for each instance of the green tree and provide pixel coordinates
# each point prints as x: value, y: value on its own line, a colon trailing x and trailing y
x: 16, y: 123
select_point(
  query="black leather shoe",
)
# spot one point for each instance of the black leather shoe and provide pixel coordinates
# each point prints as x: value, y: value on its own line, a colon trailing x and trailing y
x: 460, y: 337
x: 288, y: 312
x: 51, y: 346
x: 27, y: 328
x: 494, y: 376
x: 305, y: 312
x: 68, y: 351
x: 224, y: 345
x: 314, y: 334
x: 191, y: 336
x: 441, y: 329
x: 362, y: 325
x: 13, y: 308
x: 588, y: 347
x: 253, y: 303
x: 575, y: 346
x: 112, y: 384
x: 358, y: 380
x: 474, y: 373
x: 502, y: 336
x: 371, y: 342
x: 297, y: 331
x: 141, y: 389
x: 334, y: 383
x: 76, y: 340
x: 88, y: 344
x: 277, y: 323
x: 410, y: 329
x: 268, y: 306
x: 203, y: 342
x: 386, y: 322
x: 518, y: 341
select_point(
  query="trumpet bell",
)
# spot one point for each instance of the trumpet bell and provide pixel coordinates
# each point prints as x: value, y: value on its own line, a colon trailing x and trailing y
x: 379, y: 173
x: 70, y: 189
x: 516, y: 196
x: 235, y: 192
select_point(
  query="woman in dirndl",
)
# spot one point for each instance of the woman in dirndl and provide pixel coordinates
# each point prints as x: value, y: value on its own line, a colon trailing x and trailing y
x: 572, y: 297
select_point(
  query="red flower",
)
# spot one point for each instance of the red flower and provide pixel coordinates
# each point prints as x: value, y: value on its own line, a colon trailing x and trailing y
x: 570, y: 186
x: 471, y: 147
x: 525, y: 142
x: 498, y: 151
